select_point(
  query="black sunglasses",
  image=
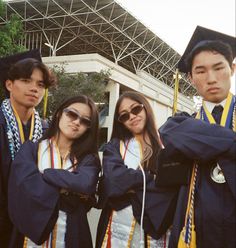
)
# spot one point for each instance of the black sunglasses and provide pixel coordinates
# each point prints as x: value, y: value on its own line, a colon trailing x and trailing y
x: 123, y: 117
x: 74, y: 115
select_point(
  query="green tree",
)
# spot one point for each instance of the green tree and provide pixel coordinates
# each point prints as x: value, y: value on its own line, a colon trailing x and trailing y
x: 11, y: 32
x: 1, y: 7
x: 90, y: 84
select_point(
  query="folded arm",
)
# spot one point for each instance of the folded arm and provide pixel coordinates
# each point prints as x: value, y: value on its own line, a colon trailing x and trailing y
x: 32, y: 203
x: 82, y: 180
x: 118, y: 178
x: 197, y: 140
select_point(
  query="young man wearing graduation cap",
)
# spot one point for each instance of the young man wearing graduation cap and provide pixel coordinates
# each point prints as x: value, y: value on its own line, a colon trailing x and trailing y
x: 206, y: 209
x: 25, y: 79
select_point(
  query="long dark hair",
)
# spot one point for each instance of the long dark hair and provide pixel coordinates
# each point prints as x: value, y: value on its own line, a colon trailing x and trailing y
x: 88, y: 142
x: 121, y: 132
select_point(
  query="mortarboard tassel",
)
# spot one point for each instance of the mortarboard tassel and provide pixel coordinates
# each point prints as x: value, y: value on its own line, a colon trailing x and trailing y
x: 45, y: 104
x: 176, y: 91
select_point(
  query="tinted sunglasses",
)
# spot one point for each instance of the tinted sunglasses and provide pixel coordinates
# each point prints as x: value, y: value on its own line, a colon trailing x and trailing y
x: 74, y: 115
x: 123, y: 117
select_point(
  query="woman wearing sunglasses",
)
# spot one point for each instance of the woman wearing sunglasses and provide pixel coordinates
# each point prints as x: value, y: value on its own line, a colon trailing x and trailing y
x: 52, y: 183
x: 135, y: 213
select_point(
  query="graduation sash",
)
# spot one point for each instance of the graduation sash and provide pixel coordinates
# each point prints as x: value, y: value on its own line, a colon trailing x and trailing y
x: 15, y: 132
x: 228, y: 115
x: 120, y: 229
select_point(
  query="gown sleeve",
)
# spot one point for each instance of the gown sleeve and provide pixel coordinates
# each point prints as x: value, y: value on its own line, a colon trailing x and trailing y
x: 202, y: 142
x: 118, y: 178
x: 197, y: 139
x: 32, y: 202
x: 83, y: 180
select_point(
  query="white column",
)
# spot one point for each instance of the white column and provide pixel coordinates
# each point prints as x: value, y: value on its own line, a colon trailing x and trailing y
x: 114, y: 89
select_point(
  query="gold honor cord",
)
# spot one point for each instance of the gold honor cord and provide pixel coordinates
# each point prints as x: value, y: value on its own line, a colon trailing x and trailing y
x: 225, y: 114
x: 45, y: 104
x: 21, y: 131
x: 226, y: 110
x: 176, y: 91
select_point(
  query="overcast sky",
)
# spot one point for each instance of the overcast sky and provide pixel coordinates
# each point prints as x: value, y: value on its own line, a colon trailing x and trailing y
x: 175, y: 20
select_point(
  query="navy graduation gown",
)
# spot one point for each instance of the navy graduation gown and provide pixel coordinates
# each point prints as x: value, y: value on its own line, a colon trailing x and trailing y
x: 34, y: 198
x: 215, y: 204
x: 118, y: 179
x: 5, y: 161
x: 6, y: 227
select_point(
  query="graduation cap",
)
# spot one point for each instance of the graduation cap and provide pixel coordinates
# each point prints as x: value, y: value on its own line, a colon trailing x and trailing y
x: 200, y: 37
x: 7, y: 62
